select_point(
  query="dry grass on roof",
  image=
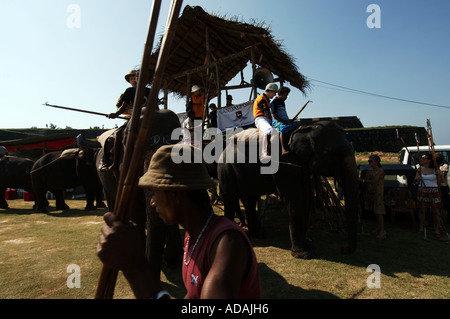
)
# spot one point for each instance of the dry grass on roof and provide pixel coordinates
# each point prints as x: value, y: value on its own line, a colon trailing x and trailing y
x: 202, y: 38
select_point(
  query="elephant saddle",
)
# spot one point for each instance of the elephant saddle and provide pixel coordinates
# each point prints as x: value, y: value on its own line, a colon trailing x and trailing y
x: 72, y: 153
x: 111, y: 142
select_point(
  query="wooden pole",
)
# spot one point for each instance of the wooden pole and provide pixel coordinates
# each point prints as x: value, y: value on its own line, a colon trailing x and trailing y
x: 136, y: 141
x: 255, y: 93
x: 83, y: 111
x: 301, y: 110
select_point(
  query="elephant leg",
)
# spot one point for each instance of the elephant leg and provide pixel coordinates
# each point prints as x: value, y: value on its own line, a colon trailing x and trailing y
x: 90, y: 197
x: 41, y: 202
x: 60, y: 203
x: 254, y: 222
x: 99, y: 196
x: 231, y: 206
x: 3, y: 203
x: 298, y: 227
x: 299, y: 205
x: 241, y: 216
x: 352, y: 208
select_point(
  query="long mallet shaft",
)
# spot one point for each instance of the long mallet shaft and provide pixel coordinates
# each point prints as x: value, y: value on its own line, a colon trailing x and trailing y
x: 301, y: 110
x: 80, y: 110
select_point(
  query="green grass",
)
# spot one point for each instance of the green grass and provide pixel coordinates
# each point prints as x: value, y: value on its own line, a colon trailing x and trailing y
x: 36, y: 250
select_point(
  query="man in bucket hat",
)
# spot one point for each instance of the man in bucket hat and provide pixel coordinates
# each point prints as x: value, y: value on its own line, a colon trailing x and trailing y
x: 125, y: 103
x: 218, y: 261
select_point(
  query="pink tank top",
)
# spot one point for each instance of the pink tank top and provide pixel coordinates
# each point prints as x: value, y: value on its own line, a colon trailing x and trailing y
x: 195, y: 273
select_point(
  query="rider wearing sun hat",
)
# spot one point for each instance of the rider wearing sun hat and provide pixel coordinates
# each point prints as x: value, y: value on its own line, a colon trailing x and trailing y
x: 126, y: 100
x: 212, y: 243
x: 263, y: 118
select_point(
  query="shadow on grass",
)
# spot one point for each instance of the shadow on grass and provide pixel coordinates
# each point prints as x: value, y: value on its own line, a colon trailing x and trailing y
x: 403, y: 251
x: 76, y: 211
x: 274, y: 286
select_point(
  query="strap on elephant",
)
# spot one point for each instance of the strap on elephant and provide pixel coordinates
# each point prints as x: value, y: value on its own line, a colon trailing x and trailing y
x: 112, y: 150
x: 72, y: 153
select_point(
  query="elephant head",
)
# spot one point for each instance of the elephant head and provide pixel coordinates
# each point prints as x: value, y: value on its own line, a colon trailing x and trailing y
x: 323, y: 149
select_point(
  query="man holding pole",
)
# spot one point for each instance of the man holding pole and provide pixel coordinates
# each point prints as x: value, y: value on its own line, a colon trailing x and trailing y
x: 126, y: 99
x: 218, y: 262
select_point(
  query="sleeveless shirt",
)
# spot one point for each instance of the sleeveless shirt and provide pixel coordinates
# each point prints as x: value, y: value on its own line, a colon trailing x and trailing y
x: 260, y: 105
x: 198, y: 104
x: 195, y: 273
x: 430, y: 180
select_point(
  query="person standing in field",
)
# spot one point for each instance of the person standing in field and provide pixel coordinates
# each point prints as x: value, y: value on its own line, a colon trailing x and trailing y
x: 373, y: 200
x: 428, y: 178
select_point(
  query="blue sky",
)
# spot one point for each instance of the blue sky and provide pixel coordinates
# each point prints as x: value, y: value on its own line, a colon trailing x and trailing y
x: 44, y: 59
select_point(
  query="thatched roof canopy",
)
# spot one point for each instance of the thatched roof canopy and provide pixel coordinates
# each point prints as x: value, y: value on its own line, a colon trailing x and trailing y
x: 208, y: 49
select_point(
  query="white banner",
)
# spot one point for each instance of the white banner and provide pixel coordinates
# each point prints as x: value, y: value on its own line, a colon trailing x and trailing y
x: 230, y: 116
x: 235, y: 116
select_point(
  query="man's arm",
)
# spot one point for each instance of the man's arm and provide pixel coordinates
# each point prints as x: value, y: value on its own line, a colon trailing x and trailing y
x: 120, y: 248
x: 230, y: 257
x: 121, y: 109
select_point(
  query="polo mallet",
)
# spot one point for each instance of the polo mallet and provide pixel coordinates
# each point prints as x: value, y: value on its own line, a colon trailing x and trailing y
x: 300, y: 110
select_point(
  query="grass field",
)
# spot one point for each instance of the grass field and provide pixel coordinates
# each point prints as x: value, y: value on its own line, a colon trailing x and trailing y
x: 37, y: 249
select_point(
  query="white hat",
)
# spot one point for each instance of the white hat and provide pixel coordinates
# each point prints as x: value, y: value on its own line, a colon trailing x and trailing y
x: 272, y: 87
x: 195, y: 88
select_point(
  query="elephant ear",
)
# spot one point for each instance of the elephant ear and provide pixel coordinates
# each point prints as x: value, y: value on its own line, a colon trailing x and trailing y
x: 300, y: 143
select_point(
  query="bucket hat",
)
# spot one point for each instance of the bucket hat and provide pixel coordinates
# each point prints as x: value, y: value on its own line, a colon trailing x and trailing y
x: 163, y: 173
x: 132, y: 72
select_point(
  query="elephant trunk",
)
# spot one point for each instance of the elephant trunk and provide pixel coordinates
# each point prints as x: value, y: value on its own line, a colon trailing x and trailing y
x: 351, y: 195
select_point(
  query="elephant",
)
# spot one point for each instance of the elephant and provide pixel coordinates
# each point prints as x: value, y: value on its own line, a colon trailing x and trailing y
x: 315, y: 150
x: 14, y: 173
x: 60, y: 170
x: 158, y: 237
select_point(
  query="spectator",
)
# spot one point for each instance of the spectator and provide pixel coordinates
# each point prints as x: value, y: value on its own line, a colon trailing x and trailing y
x: 428, y: 195
x: 229, y: 100
x: 373, y: 200
x: 213, y: 114
x: 444, y: 185
x: 3, y: 151
x: 82, y: 141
